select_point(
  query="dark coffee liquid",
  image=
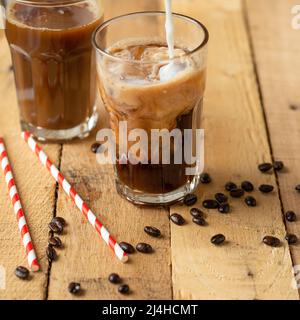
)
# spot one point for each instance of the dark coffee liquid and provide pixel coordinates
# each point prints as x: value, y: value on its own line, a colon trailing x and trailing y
x: 54, y: 63
x: 158, y: 178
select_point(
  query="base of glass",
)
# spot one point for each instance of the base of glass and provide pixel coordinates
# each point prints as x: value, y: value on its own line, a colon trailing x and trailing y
x: 160, y: 199
x: 81, y: 131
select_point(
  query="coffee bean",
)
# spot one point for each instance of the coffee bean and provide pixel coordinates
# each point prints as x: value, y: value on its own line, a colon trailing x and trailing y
x: 127, y: 247
x: 266, y: 188
x: 51, y: 253
x: 22, y: 272
x: 297, y: 188
x: 190, y: 199
x: 195, y: 212
x: 224, y: 208
x: 55, y: 242
x: 59, y: 220
x: 290, y: 216
x: 271, y: 241
x: 247, y: 186
x: 200, y: 221
x: 177, y: 219
x: 124, y: 289
x: 264, y: 167
x: 144, y: 247
x: 291, y: 238
x: 205, y: 178
x: 230, y: 186
x: 250, y: 201
x: 56, y: 227
x: 237, y: 193
x: 114, y: 278
x: 210, y: 204
x: 95, y: 147
x: 152, y: 231
x: 217, y: 239
x: 278, y: 165
x: 221, y: 197
x: 74, y: 288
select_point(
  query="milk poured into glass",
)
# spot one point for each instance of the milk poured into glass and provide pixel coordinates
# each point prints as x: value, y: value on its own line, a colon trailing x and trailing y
x: 170, y: 70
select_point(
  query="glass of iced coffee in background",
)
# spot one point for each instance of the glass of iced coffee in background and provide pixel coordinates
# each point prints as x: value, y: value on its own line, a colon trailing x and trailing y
x: 54, y: 65
x: 143, y: 88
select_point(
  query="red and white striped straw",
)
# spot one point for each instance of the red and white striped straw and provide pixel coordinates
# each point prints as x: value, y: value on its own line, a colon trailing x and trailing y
x: 14, y: 196
x: 81, y: 205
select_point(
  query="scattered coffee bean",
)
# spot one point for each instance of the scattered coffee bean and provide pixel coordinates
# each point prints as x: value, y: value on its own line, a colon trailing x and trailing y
x: 271, y: 241
x: 190, y: 199
x: 224, y: 208
x: 217, y: 239
x: 152, y: 231
x: 144, y: 247
x: 55, y: 242
x: 250, y: 201
x: 237, y: 193
x: 22, y: 272
x: 230, y: 186
x: 124, y: 289
x: 114, y: 278
x: 177, y: 219
x: 59, y: 220
x: 278, y: 165
x: 56, y: 227
x: 247, y: 186
x: 221, y: 197
x: 195, y: 212
x: 205, y: 178
x: 291, y: 238
x: 95, y: 147
x: 127, y: 247
x: 290, y: 216
x: 210, y: 204
x: 51, y: 253
x: 297, y: 188
x: 266, y: 188
x: 200, y: 221
x: 74, y: 288
x: 265, y: 167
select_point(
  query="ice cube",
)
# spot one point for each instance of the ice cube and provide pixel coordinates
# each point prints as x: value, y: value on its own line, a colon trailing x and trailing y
x: 170, y: 70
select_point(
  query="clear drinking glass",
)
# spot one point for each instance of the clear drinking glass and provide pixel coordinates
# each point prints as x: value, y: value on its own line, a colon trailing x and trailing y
x: 143, y: 89
x: 54, y: 65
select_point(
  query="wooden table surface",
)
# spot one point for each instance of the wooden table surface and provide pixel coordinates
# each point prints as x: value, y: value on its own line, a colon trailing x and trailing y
x: 251, y: 115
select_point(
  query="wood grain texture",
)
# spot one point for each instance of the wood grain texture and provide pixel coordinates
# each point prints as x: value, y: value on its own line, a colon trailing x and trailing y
x: 37, y: 192
x: 236, y: 142
x: 85, y: 257
x: 277, y: 50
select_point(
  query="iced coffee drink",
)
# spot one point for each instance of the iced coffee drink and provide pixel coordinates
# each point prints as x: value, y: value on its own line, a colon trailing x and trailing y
x: 143, y: 88
x: 54, y: 65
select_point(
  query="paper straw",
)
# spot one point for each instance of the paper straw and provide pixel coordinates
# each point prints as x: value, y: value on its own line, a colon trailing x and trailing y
x: 81, y: 205
x: 15, y: 198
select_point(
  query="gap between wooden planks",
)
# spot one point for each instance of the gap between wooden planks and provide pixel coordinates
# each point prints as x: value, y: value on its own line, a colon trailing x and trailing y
x: 276, y: 50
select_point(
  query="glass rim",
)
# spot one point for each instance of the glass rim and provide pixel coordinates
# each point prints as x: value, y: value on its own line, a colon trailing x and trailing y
x: 149, y: 13
x: 48, y: 3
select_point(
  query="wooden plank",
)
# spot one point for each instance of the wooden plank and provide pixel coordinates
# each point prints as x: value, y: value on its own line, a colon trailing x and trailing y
x: 277, y: 51
x: 85, y: 258
x: 36, y: 188
x: 236, y: 142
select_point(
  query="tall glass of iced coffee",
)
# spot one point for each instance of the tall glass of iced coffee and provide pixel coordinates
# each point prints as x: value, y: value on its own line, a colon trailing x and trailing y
x: 154, y: 100
x: 54, y: 65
